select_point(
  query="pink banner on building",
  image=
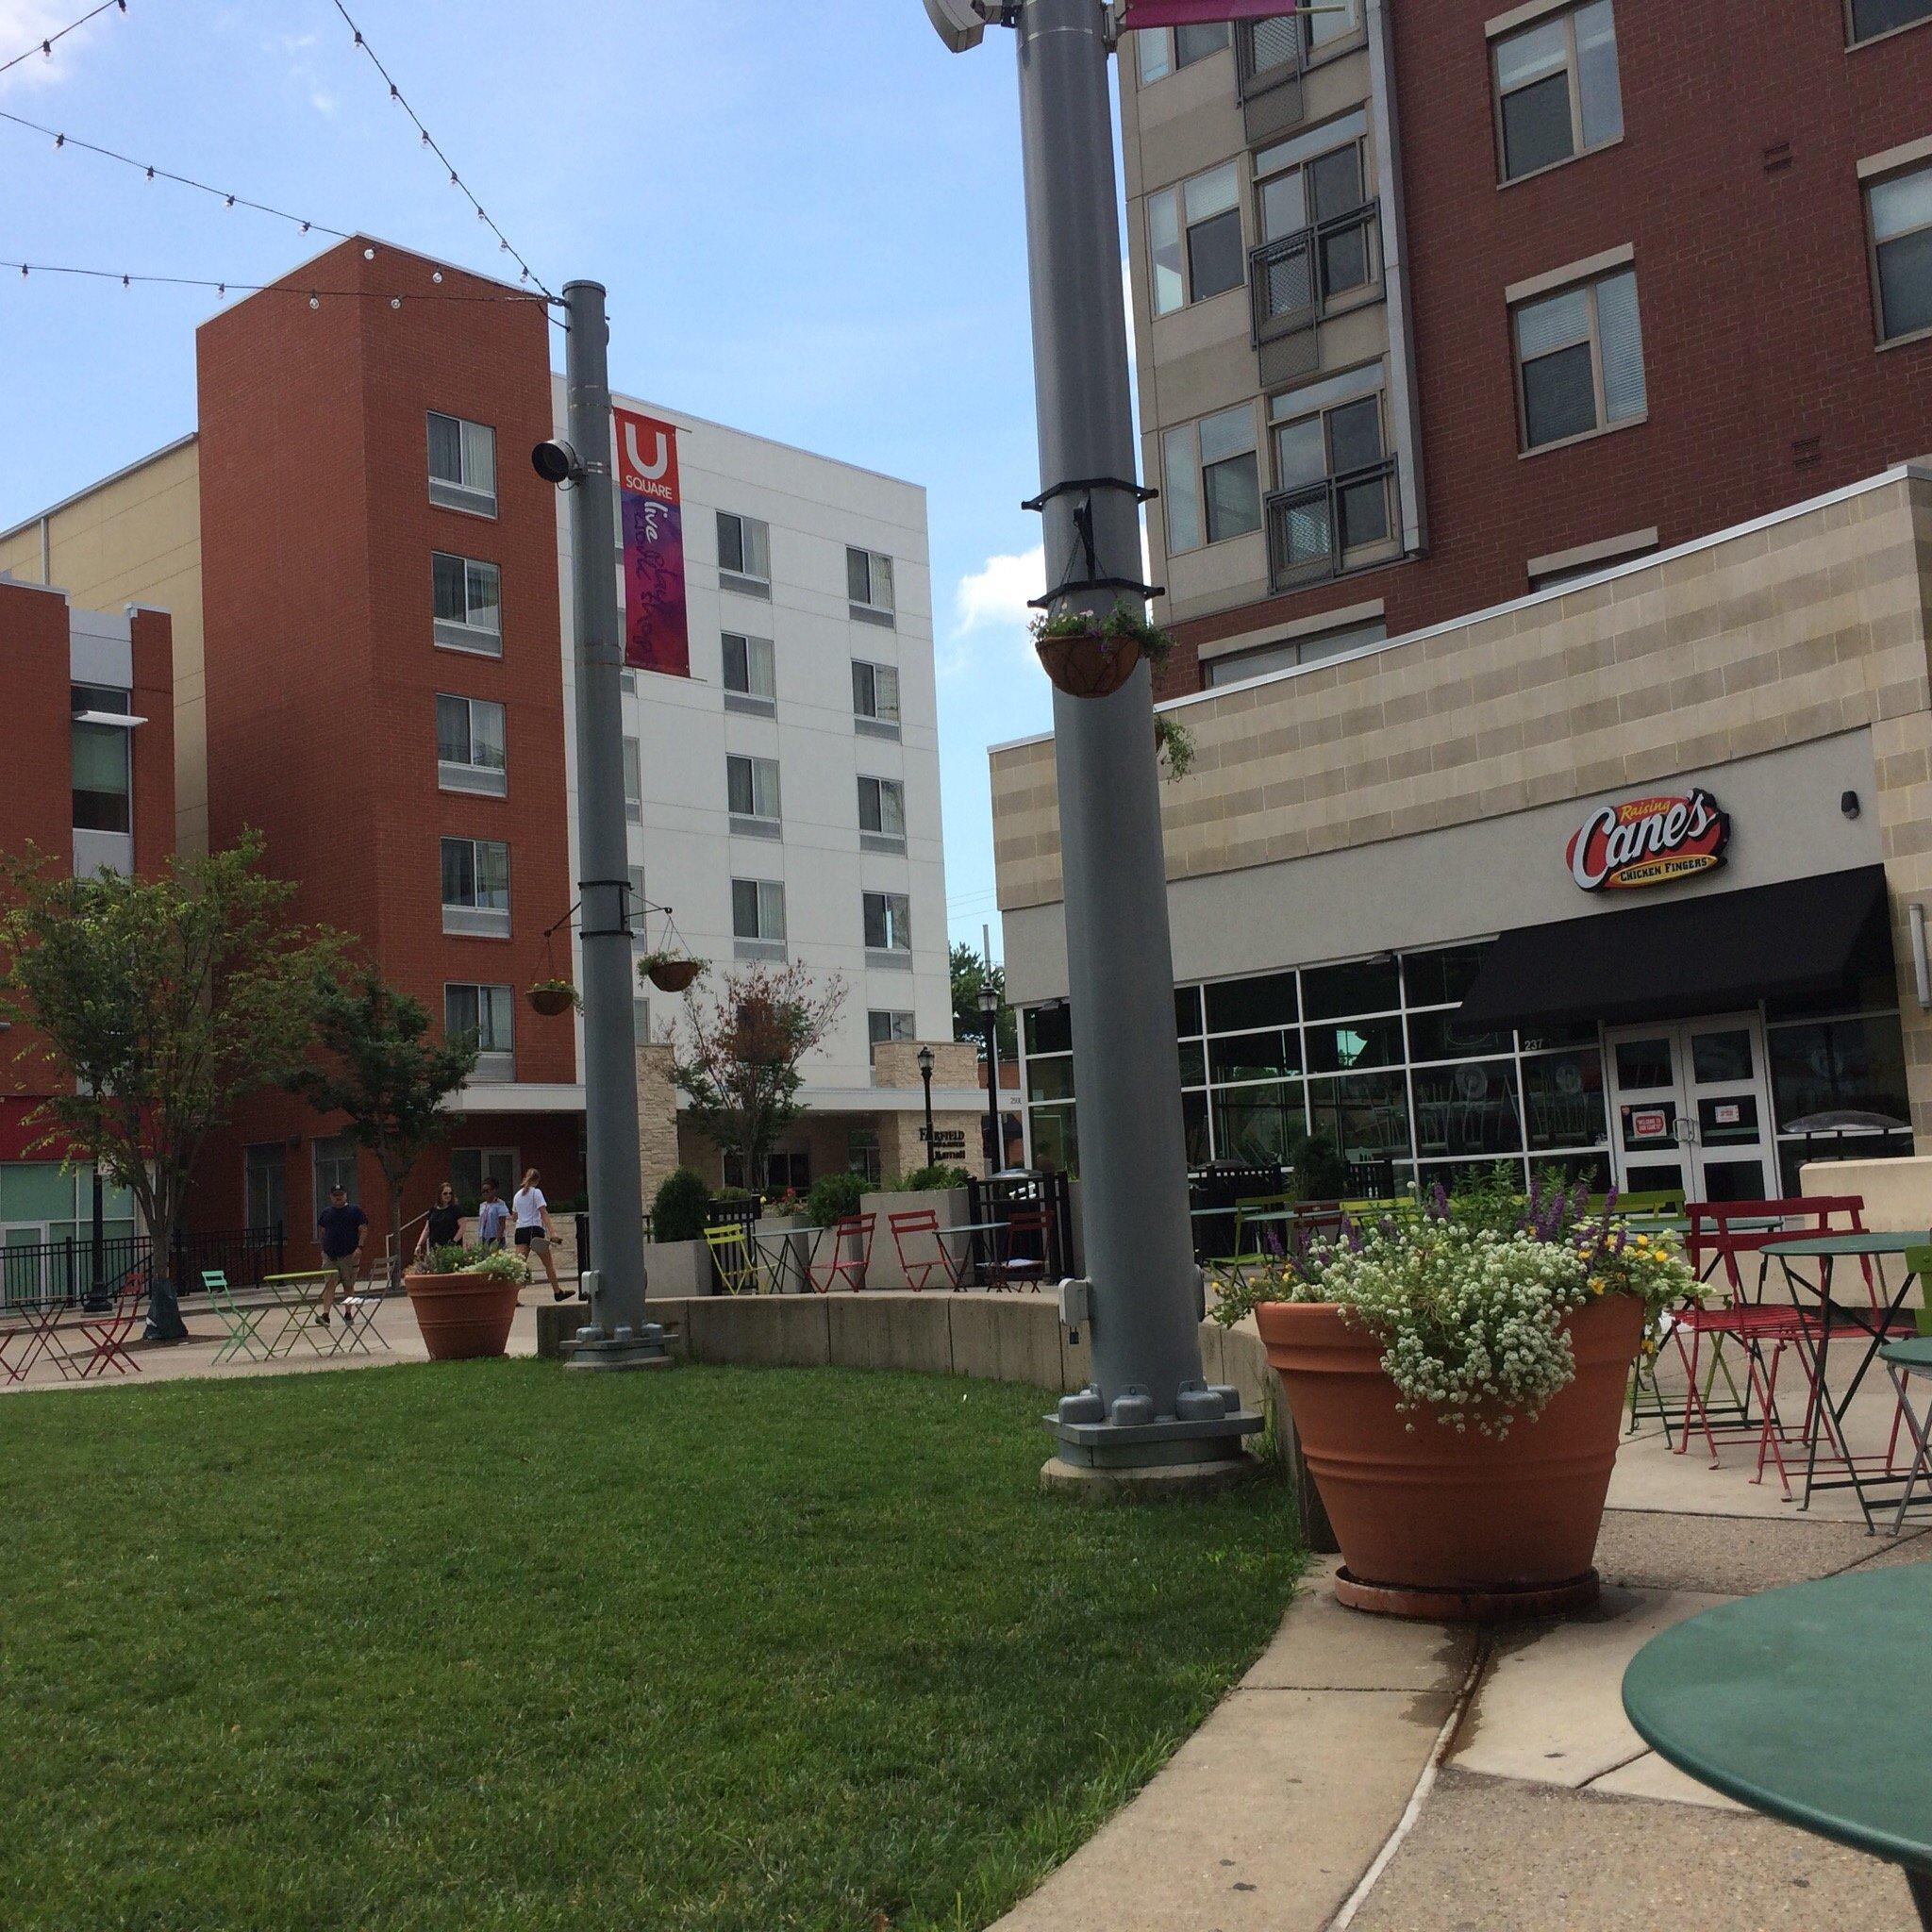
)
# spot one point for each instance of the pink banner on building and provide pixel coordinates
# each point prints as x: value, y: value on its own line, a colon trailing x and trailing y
x: 656, y: 634
x: 1200, y: 13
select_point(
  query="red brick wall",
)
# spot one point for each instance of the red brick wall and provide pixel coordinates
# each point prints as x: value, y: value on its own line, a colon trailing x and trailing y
x: 1736, y: 183
x: 317, y: 531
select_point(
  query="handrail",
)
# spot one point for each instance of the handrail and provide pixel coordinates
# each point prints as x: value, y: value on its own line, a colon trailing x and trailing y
x: 1270, y: 319
x: 1286, y: 570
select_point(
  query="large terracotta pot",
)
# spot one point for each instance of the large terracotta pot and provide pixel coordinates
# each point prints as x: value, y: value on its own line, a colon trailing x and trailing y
x: 462, y: 1316
x: 1437, y: 1523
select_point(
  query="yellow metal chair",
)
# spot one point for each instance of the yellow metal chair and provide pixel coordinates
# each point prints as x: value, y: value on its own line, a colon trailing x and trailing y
x: 734, y: 1258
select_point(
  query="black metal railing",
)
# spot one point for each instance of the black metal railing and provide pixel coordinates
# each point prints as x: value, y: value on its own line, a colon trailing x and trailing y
x: 75, y: 1268
x: 1293, y: 279
x: 1313, y: 530
x: 994, y: 1199
x: 1268, y: 54
x: 1225, y: 1186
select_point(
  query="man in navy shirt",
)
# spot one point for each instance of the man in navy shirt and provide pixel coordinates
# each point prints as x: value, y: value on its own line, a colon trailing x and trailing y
x: 339, y: 1228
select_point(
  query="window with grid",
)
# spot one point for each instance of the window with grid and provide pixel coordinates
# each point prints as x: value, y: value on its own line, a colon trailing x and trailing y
x: 875, y: 698
x: 888, y: 922
x: 751, y: 786
x: 1318, y: 192
x: 758, y: 912
x: 470, y: 746
x: 869, y: 585
x: 1339, y: 452
x: 462, y: 464
x: 1558, y: 91
x: 466, y: 600
x: 1871, y: 18
x: 1900, y: 213
x: 882, y: 1029
x: 475, y: 886
x: 882, y: 810
x: 1194, y: 239
x: 1580, y: 357
x: 1213, y: 480
x: 751, y: 673
x: 744, y: 553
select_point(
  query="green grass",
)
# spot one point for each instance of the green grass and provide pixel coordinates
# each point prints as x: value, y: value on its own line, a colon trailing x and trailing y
x: 493, y: 1647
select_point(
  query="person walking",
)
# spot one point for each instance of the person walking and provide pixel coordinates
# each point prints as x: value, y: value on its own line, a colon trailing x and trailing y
x: 339, y: 1230
x: 492, y: 1218
x: 534, y: 1230
x: 442, y: 1225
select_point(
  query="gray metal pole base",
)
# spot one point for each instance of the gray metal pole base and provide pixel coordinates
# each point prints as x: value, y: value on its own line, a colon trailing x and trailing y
x: 1128, y: 1450
x: 644, y: 1348
x: 1059, y: 1477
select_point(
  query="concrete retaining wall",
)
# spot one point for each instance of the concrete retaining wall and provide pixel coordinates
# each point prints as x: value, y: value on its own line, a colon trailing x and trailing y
x: 1898, y: 1193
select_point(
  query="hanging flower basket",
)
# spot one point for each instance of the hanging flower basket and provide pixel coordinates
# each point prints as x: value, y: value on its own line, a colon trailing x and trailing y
x: 669, y: 972
x: 1090, y: 657
x: 553, y: 996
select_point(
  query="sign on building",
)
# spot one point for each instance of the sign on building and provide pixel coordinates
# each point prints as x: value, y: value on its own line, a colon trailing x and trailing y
x: 1648, y: 842
x: 657, y: 633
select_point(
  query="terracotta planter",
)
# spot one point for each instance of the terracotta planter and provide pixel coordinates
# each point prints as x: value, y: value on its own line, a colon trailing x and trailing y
x: 1089, y: 666
x: 1433, y: 1523
x: 462, y: 1316
x: 672, y: 976
x: 551, y: 1000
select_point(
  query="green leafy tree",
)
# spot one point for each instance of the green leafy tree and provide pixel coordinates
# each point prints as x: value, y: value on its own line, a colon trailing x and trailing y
x: 737, y: 1053
x: 386, y: 1075
x: 148, y: 1008
x: 968, y: 976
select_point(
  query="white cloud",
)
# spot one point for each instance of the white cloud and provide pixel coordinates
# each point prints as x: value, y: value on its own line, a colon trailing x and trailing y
x: 322, y: 103
x: 1000, y: 591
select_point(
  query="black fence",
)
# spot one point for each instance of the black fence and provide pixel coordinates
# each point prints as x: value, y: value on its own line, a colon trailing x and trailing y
x: 75, y: 1270
x: 736, y: 1212
x: 1225, y: 1187
x: 995, y: 1199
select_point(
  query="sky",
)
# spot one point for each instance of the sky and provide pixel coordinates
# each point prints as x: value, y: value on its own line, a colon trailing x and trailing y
x: 809, y: 218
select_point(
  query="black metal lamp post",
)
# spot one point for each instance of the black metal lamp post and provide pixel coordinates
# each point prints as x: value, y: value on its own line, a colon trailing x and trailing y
x: 926, y: 1080
x: 989, y: 1015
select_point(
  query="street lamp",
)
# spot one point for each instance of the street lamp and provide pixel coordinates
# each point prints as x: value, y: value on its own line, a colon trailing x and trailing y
x: 926, y: 1080
x: 990, y: 1018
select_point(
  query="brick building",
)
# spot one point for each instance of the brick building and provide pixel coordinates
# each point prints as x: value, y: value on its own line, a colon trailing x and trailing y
x: 1538, y: 399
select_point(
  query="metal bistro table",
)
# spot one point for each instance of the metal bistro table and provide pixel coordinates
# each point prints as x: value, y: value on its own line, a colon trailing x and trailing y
x: 982, y: 1263
x: 1875, y: 1322
x: 1811, y: 1705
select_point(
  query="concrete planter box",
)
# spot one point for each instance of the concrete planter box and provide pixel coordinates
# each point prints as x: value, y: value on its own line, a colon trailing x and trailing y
x: 949, y: 1204
x: 674, y: 1271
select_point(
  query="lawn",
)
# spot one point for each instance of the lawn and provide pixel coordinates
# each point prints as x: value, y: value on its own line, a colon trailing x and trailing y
x: 486, y: 1646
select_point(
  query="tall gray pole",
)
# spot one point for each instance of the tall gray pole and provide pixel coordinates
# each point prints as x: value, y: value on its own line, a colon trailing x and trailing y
x: 1149, y: 1404
x: 618, y: 1335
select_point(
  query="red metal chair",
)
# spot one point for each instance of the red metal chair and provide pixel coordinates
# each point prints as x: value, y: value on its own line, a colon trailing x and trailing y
x: 108, y: 1334
x: 1006, y: 1266
x: 918, y: 1273
x: 843, y: 1267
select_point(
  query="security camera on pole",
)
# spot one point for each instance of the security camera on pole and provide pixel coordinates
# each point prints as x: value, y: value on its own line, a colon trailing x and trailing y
x: 1149, y: 1421
x: 616, y: 1335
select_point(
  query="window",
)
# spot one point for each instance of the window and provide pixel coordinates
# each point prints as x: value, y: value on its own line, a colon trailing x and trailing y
x: 1194, y: 239
x: 750, y: 678
x: 1157, y: 57
x: 1341, y: 19
x: 888, y: 922
x: 633, y: 781
x: 462, y: 464
x: 1580, y: 357
x: 1330, y: 467
x: 264, y: 1186
x: 745, y: 554
x: 103, y: 765
x: 1901, y: 217
x: 475, y: 887
x: 470, y: 751
x: 335, y: 1167
x: 1871, y: 18
x: 1557, y: 90
x: 1213, y: 480
x: 758, y: 918
x: 883, y: 1028
x: 874, y: 699
x: 1260, y: 659
x: 486, y: 1014
x: 751, y: 788
x: 467, y: 596
x: 882, y: 815
x: 1295, y: 193
x: 1162, y: 51
x: 869, y: 585
x: 469, y: 1166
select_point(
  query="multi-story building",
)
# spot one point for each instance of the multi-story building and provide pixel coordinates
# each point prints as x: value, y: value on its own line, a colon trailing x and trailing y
x: 91, y: 697
x: 367, y: 577
x: 1535, y: 395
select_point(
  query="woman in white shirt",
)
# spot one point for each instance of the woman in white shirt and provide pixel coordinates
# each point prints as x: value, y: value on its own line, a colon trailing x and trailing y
x: 534, y: 1231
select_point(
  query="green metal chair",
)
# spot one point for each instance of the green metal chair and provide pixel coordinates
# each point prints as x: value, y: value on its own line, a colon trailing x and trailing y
x: 734, y: 1258
x: 242, y: 1321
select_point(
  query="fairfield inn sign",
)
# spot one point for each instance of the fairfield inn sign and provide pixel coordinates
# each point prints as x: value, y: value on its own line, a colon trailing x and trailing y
x: 1648, y: 842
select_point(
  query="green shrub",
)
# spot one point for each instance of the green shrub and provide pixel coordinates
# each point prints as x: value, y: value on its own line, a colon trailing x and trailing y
x: 837, y: 1194
x: 446, y: 1257
x: 1320, y: 1173
x: 924, y: 1180
x: 678, y: 1214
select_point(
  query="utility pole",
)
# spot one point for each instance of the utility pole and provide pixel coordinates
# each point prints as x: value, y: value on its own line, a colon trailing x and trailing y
x: 1149, y: 1418
x: 618, y: 1336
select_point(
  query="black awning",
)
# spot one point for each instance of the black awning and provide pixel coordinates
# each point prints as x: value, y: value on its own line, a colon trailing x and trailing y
x: 1708, y: 954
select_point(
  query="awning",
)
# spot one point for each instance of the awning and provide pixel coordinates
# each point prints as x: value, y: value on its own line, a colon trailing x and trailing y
x: 1711, y: 953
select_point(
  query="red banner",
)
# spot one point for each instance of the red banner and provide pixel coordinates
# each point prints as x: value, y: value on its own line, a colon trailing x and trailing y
x: 657, y: 633
x: 1200, y: 13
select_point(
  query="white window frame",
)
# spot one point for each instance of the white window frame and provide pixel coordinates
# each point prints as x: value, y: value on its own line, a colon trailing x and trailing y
x: 752, y: 573
x: 874, y: 723
x: 1181, y: 445
x: 1159, y: 53
x: 761, y: 789
x: 1572, y: 80
x: 496, y: 1045
x: 481, y: 636
x: 897, y: 923
x: 472, y: 490
x: 472, y: 773
x: 768, y: 901
x: 879, y: 605
x: 1592, y: 285
x: 758, y: 694
x: 882, y: 835
x: 472, y: 918
x: 1167, y: 207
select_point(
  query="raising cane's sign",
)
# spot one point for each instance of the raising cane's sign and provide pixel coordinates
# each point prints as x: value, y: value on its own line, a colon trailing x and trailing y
x: 1649, y: 841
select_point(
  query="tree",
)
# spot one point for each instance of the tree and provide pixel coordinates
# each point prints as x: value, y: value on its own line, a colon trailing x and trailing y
x: 968, y: 976
x: 736, y: 1053
x: 154, y: 1004
x: 387, y: 1078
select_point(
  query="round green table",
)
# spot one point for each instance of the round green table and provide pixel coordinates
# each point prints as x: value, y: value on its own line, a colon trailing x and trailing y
x: 1812, y: 1705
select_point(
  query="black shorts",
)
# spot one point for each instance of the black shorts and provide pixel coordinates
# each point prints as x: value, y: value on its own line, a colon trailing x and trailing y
x: 528, y: 1236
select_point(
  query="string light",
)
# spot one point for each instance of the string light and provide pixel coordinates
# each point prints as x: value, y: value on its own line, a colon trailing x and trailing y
x: 45, y: 47
x: 312, y: 296
x: 396, y: 94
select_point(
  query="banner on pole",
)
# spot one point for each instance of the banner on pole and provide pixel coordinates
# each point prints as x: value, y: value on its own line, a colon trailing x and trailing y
x: 657, y: 633
x: 1200, y: 13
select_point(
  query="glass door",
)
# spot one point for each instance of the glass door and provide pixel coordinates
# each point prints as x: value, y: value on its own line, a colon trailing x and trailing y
x: 1691, y: 1108
x: 23, y: 1263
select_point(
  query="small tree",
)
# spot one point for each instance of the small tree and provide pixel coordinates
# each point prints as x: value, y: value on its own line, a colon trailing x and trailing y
x: 969, y: 974
x: 736, y: 1055
x: 155, y: 1006
x: 387, y: 1078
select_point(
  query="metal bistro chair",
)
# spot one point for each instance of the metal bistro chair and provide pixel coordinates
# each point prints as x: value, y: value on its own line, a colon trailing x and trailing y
x: 106, y: 1334
x: 924, y: 1220
x: 854, y: 1229
x: 1917, y: 1262
x: 1008, y: 1267
x: 1248, y: 1234
x: 733, y: 1258
x: 243, y: 1340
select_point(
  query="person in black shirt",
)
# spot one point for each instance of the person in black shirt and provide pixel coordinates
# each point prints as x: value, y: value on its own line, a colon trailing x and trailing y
x: 340, y: 1227
x: 442, y: 1225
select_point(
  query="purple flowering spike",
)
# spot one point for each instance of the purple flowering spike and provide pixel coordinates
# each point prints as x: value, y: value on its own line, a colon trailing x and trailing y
x: 1439, y: 1200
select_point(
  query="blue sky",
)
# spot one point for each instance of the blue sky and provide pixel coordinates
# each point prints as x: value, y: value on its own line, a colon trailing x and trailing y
x: 809, y: 218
